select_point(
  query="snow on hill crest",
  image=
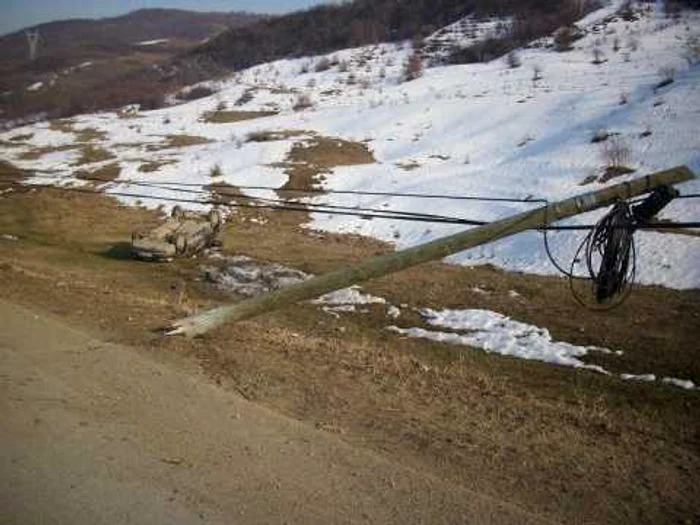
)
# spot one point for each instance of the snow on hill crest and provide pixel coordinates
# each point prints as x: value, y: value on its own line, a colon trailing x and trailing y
x: 480, y: 129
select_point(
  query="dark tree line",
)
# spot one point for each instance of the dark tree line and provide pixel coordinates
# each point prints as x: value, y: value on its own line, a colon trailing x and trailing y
x: 329, y: 28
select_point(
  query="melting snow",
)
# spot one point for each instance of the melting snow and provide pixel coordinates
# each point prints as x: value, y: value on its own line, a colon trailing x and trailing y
x: 498, y: 334
x: 349, y: 296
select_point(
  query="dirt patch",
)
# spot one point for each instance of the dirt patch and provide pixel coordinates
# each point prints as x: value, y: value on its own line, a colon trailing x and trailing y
x: 227, y: 117
x: 579, y: 445
x: 179, y: 141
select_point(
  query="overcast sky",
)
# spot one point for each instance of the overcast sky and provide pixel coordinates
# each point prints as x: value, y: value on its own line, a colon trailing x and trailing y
x: 16, y: 14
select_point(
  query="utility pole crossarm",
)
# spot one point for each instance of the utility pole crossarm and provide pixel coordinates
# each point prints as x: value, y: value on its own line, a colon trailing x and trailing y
x: 389, y: 263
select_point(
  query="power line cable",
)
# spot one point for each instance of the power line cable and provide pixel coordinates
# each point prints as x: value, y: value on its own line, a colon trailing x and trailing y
x: 368, y: 213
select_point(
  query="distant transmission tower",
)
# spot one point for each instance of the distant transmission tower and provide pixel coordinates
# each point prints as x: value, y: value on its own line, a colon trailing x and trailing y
x: 33, y: 41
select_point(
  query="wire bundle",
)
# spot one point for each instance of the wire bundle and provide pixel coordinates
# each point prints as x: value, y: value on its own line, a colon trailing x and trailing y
x: 610, y: 256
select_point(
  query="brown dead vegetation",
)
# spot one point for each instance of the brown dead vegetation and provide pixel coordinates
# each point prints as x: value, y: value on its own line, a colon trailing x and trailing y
x: 90, y: 154
x: 37, y: 153
x: 179, y: 141
x: 227, y: 117
x: 309, y: 159
x: 154, y: 165
x: 106, y: 173
x: 89, y: 135
x: 271, y: 136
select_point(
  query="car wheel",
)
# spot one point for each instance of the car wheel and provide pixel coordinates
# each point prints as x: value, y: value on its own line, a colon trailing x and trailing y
x: 180, y: 244
x: 177, y: 213
x: 214, y: 219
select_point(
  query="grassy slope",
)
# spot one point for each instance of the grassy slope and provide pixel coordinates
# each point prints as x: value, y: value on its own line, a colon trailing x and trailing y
x: 575, y: 444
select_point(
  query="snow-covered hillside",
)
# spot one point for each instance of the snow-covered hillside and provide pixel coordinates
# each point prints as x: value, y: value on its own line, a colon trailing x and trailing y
x: 481, y: 129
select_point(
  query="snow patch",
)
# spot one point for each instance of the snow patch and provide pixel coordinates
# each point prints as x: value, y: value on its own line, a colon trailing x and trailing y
x: 152, y: 42
x: 348, y: 296
x: 498, y: 334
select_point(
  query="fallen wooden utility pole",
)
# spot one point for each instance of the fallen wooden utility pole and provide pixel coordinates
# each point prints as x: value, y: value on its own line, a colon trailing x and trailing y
x: 437, y: 249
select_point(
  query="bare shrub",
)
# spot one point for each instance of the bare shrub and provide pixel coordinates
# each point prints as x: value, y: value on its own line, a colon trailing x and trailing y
x: 667, y: 73
x: 536, y: 73
x: 598, y: 56
x: 247, y: 96
x: 691, y: 50
x: 194, y: 93
x: 513, y: 60
x: 413, y: 68
x: 600, y: 135
x: 324, y: 64
x: 615, y: 153
x: 302, y: 102
x: 616, y: 44
x: 216, y: 171
x: 564, y: 39
x: 668, y: 76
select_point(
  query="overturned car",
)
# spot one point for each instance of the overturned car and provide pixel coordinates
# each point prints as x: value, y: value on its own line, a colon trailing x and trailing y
x: 183, y: 234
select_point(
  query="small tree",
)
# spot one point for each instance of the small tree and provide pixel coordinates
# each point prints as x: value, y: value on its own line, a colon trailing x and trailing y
x: 616, y: 44
x: 303, y: 102
x: 216, y: 171
x: 598, y: 56
x: 513, y: 60
x: 668, y: 76
x: 324, y: 64
x: 616, y: 154
x: 536, y: 73
x: 413, y: 68
x: 564, y: 39
x: 691, y: 50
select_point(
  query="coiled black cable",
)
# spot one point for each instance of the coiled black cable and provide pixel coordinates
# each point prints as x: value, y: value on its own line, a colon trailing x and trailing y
x: 610, y: 257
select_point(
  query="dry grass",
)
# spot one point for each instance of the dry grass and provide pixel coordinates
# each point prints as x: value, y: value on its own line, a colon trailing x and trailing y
x: 309, y: 159
x: 408, y: 166
x: 580, y: 446
x: 106, y: 173
x: 22, y: 138
x: 89, y: 135
x: 36, y: 153
x: 64, y: 125
x: 271, y: 136
x: 227, y: 117
x: 10, y: 173
x: 179, y: 141
x: 154, y: 165
x: 90, y: 154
